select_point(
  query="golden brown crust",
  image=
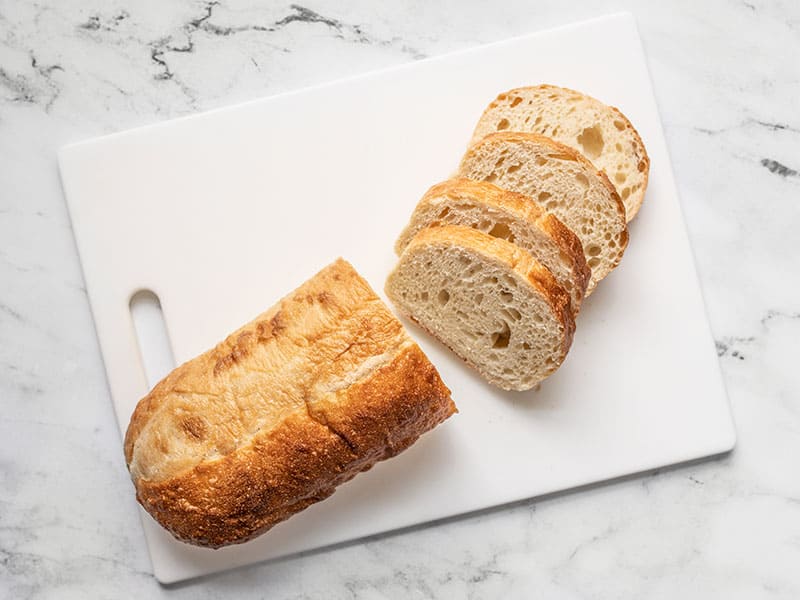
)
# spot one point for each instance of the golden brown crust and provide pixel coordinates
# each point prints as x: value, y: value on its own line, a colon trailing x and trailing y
x: 349, y: 413
x: 523, y: 207
x: 302, y: 461
x: 515, y: 258
x: 457, y: 187
x: 572, y: 245
x: 542, y: 279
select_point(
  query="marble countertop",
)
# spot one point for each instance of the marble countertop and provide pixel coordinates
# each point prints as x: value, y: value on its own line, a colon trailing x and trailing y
x: 727, y: 82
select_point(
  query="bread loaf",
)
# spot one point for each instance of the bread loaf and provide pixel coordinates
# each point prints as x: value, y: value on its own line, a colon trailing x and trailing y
x: 564, y: 183
x: 486, y: 299
x: 509, y: 216
x: 600, y: 132
x: 271, y: 420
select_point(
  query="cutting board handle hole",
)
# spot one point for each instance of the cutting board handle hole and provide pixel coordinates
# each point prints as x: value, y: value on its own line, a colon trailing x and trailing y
x: 155, y: 349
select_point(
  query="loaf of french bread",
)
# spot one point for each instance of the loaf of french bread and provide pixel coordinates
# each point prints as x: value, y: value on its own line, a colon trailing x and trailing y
x: 307, y: 395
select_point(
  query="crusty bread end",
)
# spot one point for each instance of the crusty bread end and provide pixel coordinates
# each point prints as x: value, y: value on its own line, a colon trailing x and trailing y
x: 296, y: 402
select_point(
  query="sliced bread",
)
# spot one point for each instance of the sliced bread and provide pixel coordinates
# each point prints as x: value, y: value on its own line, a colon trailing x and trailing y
x: 509, y: 216
x: 601, y: 132
x: 488, y: 300
x: 564, y: 183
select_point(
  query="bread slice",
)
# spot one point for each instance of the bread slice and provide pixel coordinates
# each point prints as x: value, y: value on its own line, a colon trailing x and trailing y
x: 602, y: 133
x: 488, y: 300
x: 563, y: 182
x: 271, y: 420
x: 509, y: 216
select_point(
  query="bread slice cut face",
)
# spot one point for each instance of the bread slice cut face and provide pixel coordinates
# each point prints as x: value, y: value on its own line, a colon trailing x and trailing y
x: 509, y: 216
x: 600, y: 132
x: 561, y: 181
x: 488, y: 300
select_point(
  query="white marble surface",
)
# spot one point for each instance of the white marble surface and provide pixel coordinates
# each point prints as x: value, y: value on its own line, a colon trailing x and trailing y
x: 727, y: 80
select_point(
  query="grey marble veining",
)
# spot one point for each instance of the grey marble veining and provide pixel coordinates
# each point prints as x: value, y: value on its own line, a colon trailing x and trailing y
x: 727, y: 82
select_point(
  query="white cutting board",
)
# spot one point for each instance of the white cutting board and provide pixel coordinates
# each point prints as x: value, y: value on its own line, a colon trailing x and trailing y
x: 223, y: 213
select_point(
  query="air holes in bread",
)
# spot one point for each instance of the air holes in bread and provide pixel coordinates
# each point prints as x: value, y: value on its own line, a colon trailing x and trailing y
x: 591, y: 140
x: 503, y: 124
x: 598, y: 131
x: 443, y: 297
x: 501, y: 230
x: 500, y: 338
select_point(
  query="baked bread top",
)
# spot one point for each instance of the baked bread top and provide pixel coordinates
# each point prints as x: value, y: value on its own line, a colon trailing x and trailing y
x: 272, y: 419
